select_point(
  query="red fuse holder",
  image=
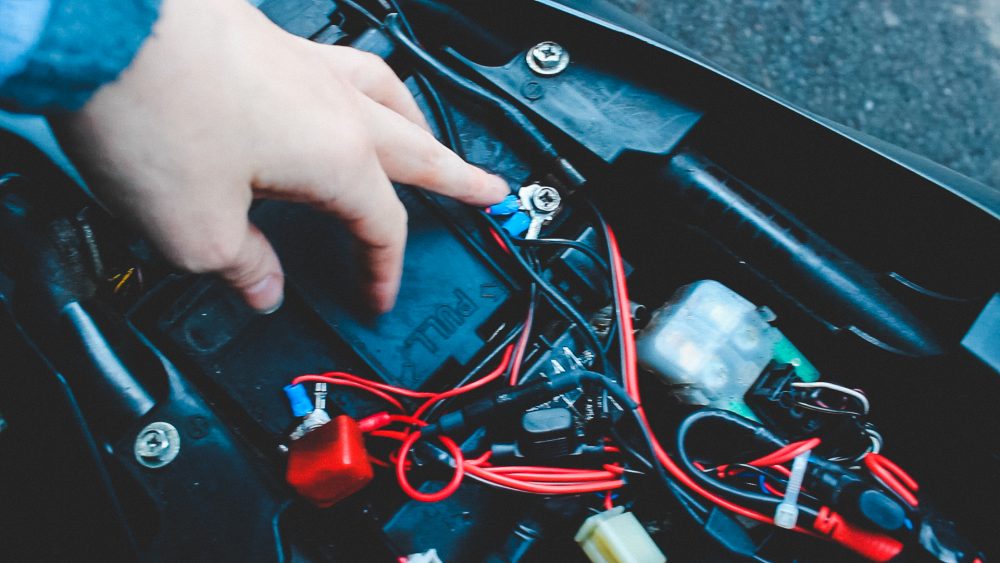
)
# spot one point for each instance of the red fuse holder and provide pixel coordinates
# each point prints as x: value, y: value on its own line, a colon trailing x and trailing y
x: 329, y: 463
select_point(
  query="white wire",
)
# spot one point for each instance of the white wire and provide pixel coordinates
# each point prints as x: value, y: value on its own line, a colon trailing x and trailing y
x: 834, y: 387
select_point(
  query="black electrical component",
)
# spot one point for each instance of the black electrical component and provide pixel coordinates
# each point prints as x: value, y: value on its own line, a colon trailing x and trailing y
x: 478, y: 412
x: 548, y: 433
x: 772, y: 399
x: 854, y: 497
x: 775, y: 401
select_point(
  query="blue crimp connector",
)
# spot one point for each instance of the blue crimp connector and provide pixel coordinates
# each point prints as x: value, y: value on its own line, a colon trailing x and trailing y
x: 298, y: 398
x: 517, y: 224
x: 510, y: 205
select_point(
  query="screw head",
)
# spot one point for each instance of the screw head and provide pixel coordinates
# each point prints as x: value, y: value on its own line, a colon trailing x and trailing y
x: 546, y: 199
x: 157, y: 445
x: 547, y: 58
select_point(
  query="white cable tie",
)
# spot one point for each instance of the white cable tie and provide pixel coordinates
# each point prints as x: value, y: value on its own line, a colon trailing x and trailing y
x: 787, y: 513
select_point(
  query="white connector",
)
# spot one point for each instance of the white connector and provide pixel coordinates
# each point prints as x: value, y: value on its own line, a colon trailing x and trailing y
x: 787, y: 513
x: 616, y: 536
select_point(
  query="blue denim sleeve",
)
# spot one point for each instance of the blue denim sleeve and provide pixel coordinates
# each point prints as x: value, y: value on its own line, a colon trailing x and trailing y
x: 55, y: 53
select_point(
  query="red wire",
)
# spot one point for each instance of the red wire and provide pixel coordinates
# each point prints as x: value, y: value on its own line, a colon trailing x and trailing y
x: 776, y: 458
x: 368, y: 382
x: 560, y: 478
x: 481, y: 459
x: 541, y: 480
x: 500, y: 369
x: 543, y: 469
x: 632, y: 387
x: 887, y: 472
x: 773, y: 490
x: 522, y: 345
x: 787, y: 453
x: 782, y: 469
x: 348, y: 383
x: 444, y: 492
x: 841, y: 534
x: 407, y: 419
x: 553, y: 476
x: 898, y: 471
x: 496, y: 237
x: 608, y: 503
x: 529, y: 487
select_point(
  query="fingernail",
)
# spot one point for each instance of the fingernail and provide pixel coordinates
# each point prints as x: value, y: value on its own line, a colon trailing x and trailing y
x: 267, y: 295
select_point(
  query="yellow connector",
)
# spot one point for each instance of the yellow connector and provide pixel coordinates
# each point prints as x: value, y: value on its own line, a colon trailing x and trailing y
x: 616, y: 536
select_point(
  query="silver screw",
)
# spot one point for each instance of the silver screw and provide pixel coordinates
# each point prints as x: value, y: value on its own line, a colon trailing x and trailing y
x: 546, y: 199
x: 547, y: 58
x: 157, y: 445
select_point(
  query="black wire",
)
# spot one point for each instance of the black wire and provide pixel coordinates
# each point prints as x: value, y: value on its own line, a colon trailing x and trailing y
x: 769, y: 474
x: 563, y: 306
x: 441, y: 115
x: 403, y: 19
x: 475, y: 371
x: 363, y: 12
x: 395, y: 29
x: 446, y: 125
x: 395, y: 25
x: 567, y: 243
x: 757, y: 430
x: 615, y: 304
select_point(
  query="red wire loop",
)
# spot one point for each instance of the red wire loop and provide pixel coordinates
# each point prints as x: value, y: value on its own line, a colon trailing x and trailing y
x: 893, y: 476
x: 444, y: 492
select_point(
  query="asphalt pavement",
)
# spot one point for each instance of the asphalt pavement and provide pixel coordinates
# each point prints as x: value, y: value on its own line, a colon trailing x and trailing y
x: 923, y: 74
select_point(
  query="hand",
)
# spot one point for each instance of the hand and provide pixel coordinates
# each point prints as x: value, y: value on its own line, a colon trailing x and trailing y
x: 221, y: 106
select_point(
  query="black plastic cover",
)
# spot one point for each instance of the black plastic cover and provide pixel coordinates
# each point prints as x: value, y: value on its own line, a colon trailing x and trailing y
x: 449, y: 291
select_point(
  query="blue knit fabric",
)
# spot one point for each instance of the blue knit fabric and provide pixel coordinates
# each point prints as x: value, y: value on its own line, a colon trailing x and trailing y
x: 83, y: 45
x: 21, y: 25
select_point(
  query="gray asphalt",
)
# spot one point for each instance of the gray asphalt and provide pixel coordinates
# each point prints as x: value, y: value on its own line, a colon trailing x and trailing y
x: 923, y: 74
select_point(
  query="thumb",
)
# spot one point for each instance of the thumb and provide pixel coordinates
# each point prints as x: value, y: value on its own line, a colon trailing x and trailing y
x: 254, y: 271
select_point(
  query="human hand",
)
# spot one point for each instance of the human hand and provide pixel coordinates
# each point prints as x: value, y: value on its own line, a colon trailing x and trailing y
x: 221, y: 106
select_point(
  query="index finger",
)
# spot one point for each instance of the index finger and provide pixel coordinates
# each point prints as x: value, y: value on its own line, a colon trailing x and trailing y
x: 411, y: 155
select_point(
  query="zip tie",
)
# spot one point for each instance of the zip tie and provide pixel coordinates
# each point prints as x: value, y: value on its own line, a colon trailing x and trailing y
x: 787, y: 513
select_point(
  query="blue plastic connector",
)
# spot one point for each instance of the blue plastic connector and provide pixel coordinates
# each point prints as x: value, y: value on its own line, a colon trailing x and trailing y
x: 517, y: 224
x: 299, y: 400
x: 510, y: 205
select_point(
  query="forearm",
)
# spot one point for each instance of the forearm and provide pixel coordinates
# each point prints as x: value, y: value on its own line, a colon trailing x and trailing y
x: 58, y: 63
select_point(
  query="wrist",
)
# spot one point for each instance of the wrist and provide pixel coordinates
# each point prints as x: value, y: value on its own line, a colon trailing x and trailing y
x: 84, y: 45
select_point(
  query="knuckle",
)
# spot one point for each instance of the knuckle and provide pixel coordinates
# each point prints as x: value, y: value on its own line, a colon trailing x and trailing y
x: 434, y: 165
x: 372, y: 63
x: 385, y: 230
x: 354, y: 147
x: 210, y: 255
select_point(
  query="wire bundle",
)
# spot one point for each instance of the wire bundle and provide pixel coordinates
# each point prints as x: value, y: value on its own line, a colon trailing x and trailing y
x: 527, y: 479
x: 692, y: 484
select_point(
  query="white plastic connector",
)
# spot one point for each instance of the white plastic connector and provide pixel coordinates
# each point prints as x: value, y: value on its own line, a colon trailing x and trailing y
x: 429, y: 556
x: 708, y: 343
x: 616, y: 536
x: 787, y: 514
